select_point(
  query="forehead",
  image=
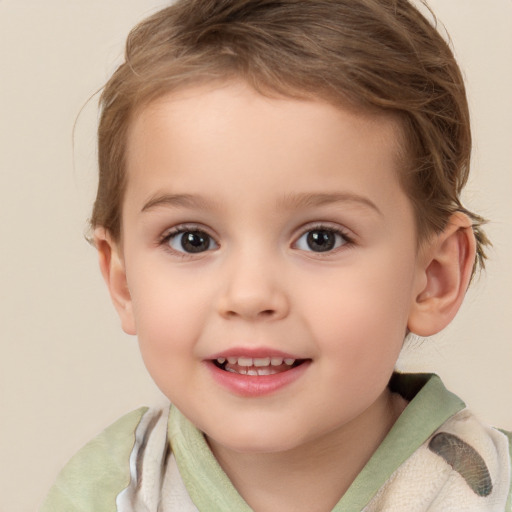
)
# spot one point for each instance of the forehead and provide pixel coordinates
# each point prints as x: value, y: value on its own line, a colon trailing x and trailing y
x: 231, y: 133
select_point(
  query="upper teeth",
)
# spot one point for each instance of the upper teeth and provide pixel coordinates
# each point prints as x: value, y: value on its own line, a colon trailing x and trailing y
x: 256, y: 361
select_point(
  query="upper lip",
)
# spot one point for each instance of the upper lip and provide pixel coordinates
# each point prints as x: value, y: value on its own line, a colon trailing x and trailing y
x: 253, y: 353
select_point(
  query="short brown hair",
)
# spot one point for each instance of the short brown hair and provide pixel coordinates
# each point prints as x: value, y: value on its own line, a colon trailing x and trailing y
x: 380, y: 55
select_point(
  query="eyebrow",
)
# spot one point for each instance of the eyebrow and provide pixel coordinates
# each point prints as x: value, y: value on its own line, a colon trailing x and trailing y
x: 291, y: 201
x: 321, y: 199
x: 177, y: 201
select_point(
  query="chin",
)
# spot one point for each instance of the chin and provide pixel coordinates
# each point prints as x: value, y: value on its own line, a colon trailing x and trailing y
x: 255, y: 442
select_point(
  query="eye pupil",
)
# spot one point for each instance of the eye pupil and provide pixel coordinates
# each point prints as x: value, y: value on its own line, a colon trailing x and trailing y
x: 320, y: 240
x: 195, y: 241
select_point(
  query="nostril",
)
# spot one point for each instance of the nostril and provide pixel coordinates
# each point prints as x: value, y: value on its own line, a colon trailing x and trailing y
x: 255, y: 305
x: 267, y: 313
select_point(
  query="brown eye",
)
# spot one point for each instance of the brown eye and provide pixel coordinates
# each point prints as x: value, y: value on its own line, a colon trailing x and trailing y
x: 320, y: 240
x: 193, y: 241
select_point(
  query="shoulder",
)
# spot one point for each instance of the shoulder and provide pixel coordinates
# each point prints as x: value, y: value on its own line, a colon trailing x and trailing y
x: 446, y: 459
x: 470, y: 446
x: 477, y: 458
x: 98, y: 472
x: 464, y: 465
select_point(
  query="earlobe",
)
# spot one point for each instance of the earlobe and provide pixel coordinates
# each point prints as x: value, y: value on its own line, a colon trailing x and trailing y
x: 446, y: 264
x: 113, y: 270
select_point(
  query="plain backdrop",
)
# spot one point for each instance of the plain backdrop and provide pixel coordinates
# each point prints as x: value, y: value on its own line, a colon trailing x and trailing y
x: 66, y: 369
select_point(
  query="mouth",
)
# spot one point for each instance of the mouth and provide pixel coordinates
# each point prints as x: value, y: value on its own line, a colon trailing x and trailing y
x: 257, y: 372
x: 257, y: 366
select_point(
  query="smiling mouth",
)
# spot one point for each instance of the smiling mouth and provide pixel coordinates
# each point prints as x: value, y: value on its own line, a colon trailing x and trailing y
x: 257, y: 366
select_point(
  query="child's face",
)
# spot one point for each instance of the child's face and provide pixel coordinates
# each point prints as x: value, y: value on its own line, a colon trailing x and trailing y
x: 268, y: 229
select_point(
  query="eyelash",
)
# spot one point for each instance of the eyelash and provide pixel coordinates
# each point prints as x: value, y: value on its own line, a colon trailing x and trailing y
x: 347, y: 240
x: 175, y: 232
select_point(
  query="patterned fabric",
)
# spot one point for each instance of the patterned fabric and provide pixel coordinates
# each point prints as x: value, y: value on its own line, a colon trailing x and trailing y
x: 463, y: 467
x: 465, y: 460
x: 437, y: 457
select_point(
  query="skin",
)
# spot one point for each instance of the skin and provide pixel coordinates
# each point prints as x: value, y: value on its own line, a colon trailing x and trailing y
x: 256, y: 175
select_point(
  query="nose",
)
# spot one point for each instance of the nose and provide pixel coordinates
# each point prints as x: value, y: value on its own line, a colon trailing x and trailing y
x: 252, y: 289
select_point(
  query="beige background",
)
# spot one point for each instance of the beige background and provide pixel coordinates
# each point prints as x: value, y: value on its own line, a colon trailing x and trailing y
x: 66, y: 370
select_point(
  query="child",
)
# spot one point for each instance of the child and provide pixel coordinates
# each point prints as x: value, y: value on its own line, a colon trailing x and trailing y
x: 278, y: 208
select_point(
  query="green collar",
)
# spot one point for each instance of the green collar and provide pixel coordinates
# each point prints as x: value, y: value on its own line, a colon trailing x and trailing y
x: 431, y: 404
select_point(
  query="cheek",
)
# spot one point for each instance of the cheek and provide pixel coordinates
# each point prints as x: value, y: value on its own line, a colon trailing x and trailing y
x: 365, y: 309
x: 169, y: 321
x: 169, y: 314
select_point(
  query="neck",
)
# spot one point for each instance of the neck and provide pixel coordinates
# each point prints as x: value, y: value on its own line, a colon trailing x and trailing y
x: 313, y: 476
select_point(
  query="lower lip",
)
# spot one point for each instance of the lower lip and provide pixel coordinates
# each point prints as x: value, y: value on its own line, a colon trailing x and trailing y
x: 256, y: 385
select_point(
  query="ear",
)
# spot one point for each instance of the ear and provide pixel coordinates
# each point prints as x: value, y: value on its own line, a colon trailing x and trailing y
x: 445, y: 267
x: 114, y: 273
